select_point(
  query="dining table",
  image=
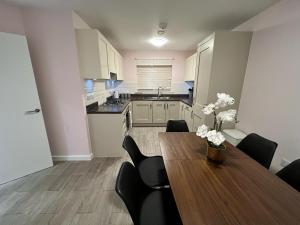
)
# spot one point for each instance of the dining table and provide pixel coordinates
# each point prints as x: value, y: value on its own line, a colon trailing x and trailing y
x: 237, y: 191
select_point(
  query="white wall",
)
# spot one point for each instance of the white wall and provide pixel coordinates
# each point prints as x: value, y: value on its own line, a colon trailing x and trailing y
x: 269, y: 103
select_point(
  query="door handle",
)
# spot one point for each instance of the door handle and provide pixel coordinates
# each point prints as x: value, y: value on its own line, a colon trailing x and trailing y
x: 33, y: 111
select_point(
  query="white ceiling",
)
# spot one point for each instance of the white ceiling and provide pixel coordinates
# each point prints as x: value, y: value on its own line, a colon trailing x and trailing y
x: 128, y: 24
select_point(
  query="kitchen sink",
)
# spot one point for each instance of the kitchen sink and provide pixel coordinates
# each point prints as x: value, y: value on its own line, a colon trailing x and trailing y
x: 164, y: 98
x: 160, y: 98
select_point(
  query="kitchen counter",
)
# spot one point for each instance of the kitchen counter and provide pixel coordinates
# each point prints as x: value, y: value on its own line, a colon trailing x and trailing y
x: 119, y: 108
x: 172, y: 97
x: 188, y: 101
x: 107, y: 108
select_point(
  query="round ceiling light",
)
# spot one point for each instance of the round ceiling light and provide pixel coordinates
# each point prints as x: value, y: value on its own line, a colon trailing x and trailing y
x: 158, y: 41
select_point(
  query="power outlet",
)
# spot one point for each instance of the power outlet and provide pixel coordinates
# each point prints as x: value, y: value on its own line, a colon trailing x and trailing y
x: 284, y: 162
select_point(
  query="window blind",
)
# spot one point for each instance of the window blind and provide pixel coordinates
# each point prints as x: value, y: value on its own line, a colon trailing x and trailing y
x: 154, y: 76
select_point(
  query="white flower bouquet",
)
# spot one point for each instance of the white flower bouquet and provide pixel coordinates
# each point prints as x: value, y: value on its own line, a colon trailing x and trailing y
x: 214, y: 136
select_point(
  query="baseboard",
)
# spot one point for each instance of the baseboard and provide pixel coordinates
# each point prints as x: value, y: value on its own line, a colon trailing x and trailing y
x: 73, y: 157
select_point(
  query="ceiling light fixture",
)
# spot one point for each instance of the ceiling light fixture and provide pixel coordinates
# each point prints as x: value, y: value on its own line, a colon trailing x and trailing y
x: 159, y: 40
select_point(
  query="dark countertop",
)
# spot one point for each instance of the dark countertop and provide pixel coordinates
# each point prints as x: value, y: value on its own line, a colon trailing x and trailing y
x: 188, y: 101
x: 119, y: 108
x: 107, y: 109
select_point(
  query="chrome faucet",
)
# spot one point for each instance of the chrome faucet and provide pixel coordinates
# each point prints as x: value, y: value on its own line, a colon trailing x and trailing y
x: 158, y: 91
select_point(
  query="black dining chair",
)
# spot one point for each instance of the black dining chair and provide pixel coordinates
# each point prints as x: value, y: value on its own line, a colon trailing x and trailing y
x: 151, y: 168
x: 291, y: 174
x: 177, y: 126
x: 146, y: 206
x: 259, y: 148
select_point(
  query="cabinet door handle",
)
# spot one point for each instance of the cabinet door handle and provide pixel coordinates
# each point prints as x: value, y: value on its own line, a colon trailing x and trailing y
x: 150, y: 106
x: 164, y: 106
x: 167, y: 106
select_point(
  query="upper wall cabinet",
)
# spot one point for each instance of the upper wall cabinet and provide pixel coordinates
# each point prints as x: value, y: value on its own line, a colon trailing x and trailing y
x: 97, y: 57
x: 92, y: 53
x: 119, y: 65
x: 221, y: 65
x: 111, y: 55
x: 190, y: 68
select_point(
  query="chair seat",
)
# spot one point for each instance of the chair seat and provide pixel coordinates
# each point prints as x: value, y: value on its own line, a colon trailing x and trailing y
x: 159, y: 208
x: 152, y: 171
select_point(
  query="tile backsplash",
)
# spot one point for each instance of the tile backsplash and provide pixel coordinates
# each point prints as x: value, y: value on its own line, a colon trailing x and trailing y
x: 99, y: 90
x: 96, y: 91
x: 176, y: 88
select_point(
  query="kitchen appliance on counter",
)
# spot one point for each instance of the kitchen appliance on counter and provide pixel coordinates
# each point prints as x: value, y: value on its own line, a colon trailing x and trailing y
x: 191, y: 91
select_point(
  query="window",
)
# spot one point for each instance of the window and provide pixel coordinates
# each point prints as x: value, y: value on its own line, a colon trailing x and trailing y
x: 154, y: 76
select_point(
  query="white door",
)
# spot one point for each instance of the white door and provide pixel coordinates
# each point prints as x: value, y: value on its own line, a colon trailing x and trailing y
x: 188, y: 116
x: 159, y: 112
x: 111, y: 59
x: 173, y: 111
x: 24, y: 146
x: 205, y: 57
x: 142, y: 112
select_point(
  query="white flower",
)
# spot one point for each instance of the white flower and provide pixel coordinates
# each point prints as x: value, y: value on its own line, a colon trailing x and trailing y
x: 227, y: 116
x: 215, y: 137
x: 202, y: 131
x: 224, y: 100
x: 209, y: 109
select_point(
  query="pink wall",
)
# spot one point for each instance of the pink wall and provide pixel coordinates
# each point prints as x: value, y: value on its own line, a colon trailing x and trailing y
x: 11, y: 19
x: 129, y: 62
x: 269, y: 103
x: 51, y: 41
x: 53, y: 51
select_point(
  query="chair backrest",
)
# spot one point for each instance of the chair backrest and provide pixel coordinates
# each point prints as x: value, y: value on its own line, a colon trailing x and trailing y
x: 177, y: 126
x: 133, y: 150
x: 291, y: 174
x: 131, y: 190
x: 259, y: 148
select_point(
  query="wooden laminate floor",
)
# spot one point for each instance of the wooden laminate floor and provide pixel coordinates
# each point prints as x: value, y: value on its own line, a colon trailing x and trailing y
x: 72, y: 193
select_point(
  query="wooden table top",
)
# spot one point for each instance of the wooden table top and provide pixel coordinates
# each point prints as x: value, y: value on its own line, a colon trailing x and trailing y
x: 239, y: 191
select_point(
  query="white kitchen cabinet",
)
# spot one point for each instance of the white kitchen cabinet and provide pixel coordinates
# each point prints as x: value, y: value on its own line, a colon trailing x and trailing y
x: 92, y: 54
x: 159, y: 112
x: 181, y: 110
x: 119, y: 65
x: 190, y: 68
x: 172, y: 110
x: 164, y: 111
x: 107, y: 132
x: 221, y: 65
x: 188, y: 116
x: 197, y: 121
x: 112, y: 68
x: 142, y: 112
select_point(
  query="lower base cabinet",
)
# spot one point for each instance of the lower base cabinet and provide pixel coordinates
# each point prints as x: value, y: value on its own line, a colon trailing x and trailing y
x: 159, y: 112
x: 188, y: 116
x: 172, y: 111
x: 197, y: 121
x: 155, y: 112
x: 107, y: 132
x: 142, y: 112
